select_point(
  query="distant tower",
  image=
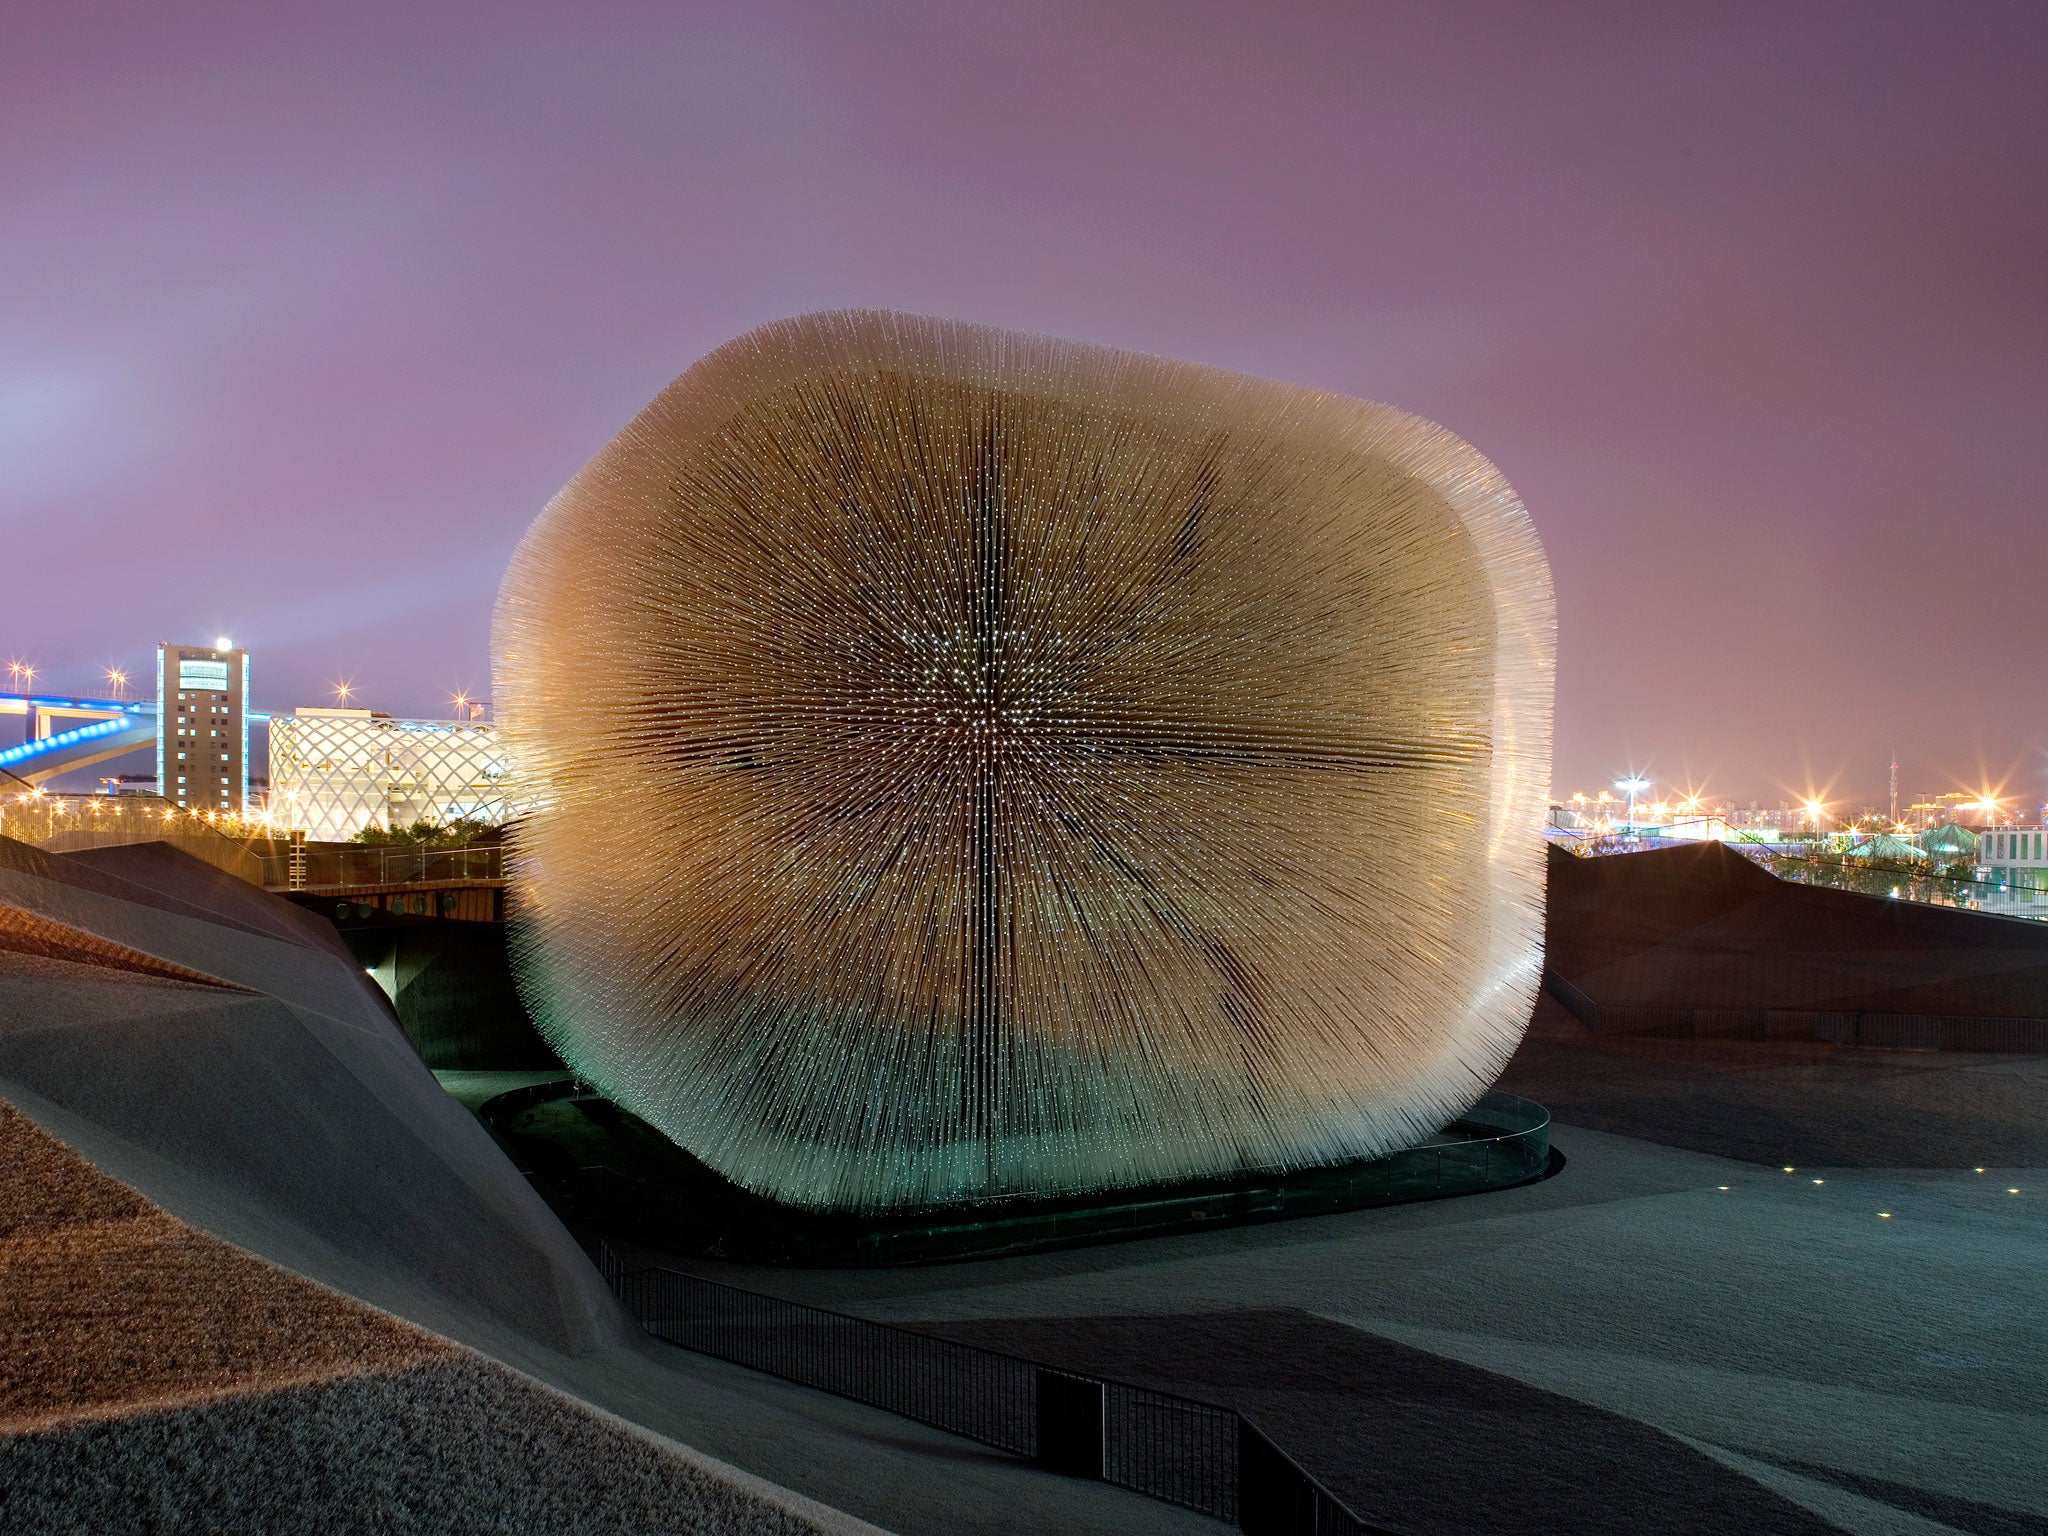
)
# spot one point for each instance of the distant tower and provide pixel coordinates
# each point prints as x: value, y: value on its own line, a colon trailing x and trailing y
x: 202, y: 726
x: 1895, y: 789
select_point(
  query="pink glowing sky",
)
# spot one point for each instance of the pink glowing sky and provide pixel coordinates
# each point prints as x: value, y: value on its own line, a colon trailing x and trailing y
x: 302, y: 320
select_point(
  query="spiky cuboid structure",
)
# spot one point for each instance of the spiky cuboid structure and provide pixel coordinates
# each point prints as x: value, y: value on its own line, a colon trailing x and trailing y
x: 969, y: 765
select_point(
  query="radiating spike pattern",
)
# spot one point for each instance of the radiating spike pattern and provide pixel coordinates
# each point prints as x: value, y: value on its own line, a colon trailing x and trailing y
x: 969, y: 765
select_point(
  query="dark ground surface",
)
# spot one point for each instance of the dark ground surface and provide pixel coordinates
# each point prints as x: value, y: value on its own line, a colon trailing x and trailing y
x: 155, y: 1378
x: 1703, y: 927
x: 1428, y: 1444
x: 460, y: 1445
x: 1672, y: 1328
x: 1789, y: 1103
x: 1671, y: 1335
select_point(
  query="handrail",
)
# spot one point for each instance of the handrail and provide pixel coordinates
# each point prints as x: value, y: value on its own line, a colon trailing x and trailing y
x: 1180, y: 1450
x: 335, y: 865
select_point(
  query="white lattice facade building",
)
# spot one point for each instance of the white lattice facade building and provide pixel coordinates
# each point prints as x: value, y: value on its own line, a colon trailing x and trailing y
x: 335, y: 771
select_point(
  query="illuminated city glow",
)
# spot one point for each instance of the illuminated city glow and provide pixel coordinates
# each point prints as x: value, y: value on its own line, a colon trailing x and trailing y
x: 1051, y: 769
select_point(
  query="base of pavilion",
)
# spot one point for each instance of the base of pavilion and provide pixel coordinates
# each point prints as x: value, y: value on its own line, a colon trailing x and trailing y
x: 605, y: 1169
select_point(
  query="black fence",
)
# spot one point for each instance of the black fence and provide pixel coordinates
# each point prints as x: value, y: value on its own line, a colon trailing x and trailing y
x: 1175, y: 1449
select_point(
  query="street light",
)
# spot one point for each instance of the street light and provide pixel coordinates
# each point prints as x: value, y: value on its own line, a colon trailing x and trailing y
x: 1633, y: 786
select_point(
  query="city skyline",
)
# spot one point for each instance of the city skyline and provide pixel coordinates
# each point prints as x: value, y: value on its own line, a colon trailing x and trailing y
x: 2013, y: 792
x: 1929, y: 797
x: 304, y: 331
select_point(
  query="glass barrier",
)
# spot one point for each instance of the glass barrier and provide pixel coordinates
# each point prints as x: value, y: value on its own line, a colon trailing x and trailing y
x: 601, y: 1164
x: 325, y: 866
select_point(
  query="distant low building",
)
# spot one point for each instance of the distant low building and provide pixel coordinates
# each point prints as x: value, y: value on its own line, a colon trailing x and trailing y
x: 1886, y: 845
x: 2017, y: 858
x: 334, y: 772
x: 1949, y: 841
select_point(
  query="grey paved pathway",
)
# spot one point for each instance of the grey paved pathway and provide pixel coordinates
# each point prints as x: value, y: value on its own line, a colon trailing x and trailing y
x: 1869, y: 1342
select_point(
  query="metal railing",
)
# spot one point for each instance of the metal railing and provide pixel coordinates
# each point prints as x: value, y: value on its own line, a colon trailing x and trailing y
x: 1175, y: 1449
x: 318, y: 867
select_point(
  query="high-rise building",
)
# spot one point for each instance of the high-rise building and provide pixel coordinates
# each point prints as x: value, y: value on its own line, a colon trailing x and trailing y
x: 202, y: 726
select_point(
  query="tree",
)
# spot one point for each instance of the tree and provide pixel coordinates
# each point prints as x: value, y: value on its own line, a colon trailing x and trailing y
x: 422, y: 834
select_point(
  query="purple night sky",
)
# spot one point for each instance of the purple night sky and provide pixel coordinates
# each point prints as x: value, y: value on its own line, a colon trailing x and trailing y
x: 303, y: 320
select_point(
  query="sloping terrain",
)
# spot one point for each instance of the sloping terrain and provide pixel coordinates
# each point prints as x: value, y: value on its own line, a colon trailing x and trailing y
x: 153, y: 1377
x: 1685, y: 928
x: 277, y: 1105
x: 283, y: 1110
x: 1785, y: 1101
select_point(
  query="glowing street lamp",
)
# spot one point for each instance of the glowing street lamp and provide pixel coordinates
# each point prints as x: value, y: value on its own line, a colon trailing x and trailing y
x: 1632, y: 786
x: 1815, y: 810
x: 120, y: 681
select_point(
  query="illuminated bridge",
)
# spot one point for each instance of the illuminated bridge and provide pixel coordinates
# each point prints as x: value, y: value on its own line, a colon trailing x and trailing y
x: 64, y: 734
